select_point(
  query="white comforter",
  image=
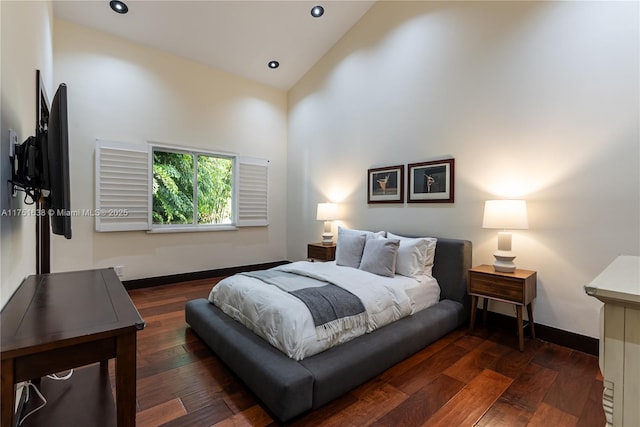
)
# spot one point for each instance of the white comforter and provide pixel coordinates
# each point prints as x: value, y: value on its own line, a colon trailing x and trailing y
x: 285, y: 321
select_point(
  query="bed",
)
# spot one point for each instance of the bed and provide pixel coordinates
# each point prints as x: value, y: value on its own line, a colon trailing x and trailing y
x: 289, y: 387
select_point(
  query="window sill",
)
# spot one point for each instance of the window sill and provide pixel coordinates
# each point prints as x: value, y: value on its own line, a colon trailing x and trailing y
x: 192, y: 229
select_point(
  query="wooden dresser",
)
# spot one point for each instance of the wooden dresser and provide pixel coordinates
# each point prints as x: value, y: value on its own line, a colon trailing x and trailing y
x: 618, y: 287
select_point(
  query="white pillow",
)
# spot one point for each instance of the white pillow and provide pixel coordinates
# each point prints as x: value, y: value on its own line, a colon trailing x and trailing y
x: 431, y: 254
x: 349, y: 247
x: 415, y: 255
x: 411, y: 257
x: 379, y: 256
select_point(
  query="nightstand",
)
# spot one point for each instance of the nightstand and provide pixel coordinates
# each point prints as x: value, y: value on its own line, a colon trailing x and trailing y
x: 518, y: 288
x: 321, y: 252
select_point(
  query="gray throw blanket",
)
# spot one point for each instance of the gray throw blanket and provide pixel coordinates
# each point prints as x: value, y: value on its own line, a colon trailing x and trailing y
x: 333, y: 308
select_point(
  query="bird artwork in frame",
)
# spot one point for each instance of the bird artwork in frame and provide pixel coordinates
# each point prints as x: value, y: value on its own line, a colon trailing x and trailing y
x: 386, y: 185
x: 431, y: 182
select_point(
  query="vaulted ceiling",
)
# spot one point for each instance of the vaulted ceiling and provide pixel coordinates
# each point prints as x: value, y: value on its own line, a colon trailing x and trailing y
x: 239, y: 37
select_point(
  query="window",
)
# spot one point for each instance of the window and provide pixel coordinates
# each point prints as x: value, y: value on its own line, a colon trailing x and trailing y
x: 191, y: 188
x: 158, y: 188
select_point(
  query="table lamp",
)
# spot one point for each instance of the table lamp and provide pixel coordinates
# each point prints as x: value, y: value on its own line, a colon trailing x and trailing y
x: 506, y: 215
x: 327, y: 212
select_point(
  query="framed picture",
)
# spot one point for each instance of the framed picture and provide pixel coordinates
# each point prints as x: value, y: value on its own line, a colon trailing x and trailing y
x: 386, y: 185
x: 430, y: 182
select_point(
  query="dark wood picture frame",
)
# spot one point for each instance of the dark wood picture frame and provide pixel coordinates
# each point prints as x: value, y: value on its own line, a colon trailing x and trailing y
x: 431, y: 182
x: 385, y: 185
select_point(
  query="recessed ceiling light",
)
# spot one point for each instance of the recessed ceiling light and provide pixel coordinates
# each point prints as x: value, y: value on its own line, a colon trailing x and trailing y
x: 273, y: 64
x: 317, y: 11
x: 118, y: 6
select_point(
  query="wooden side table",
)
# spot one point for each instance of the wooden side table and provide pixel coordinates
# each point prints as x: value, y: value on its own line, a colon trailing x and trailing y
x: 321, y: 252
x: 55, y: 322
x: 518, y: 288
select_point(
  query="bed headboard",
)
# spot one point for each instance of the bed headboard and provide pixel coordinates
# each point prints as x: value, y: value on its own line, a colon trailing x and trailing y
x: 450, y: 266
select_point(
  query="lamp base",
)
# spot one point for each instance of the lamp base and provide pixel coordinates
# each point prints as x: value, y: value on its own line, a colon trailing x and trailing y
x: 327, y: 239
x: 504, y: 261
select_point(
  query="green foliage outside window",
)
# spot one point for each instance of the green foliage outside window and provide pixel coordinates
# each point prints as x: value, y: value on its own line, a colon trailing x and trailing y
x: 173, y: 188
x: 214, y: 190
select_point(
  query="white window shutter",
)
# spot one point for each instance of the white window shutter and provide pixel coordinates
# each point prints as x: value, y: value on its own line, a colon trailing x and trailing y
x: 253, y: 194
x: 122, y: 186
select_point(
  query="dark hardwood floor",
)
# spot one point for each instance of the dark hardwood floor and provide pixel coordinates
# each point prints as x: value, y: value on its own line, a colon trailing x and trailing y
x: 460, y: 380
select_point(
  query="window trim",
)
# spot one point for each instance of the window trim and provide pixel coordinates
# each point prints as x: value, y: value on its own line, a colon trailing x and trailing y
x: 194, y: 152
x: 188, y: 228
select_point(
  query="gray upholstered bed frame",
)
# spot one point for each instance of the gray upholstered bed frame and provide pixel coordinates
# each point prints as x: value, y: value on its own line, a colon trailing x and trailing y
x: 289, y: 388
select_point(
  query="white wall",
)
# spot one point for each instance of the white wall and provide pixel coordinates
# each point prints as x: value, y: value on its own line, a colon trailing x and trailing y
x: 535, y: 100
x: 122, y: 91
x: 26, y: 45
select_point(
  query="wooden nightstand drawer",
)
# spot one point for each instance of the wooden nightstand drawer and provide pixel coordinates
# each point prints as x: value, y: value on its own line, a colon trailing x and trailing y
x: 517, y: 288
x: 502, y: 288
x: 321, y: 252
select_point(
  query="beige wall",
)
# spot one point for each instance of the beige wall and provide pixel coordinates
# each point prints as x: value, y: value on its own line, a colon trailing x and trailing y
x: 122, y: 91
x: 535, y: 100
x: 26, y: 45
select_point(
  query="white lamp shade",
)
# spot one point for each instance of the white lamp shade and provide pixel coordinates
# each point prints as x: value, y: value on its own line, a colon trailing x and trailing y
x: 327, y: 212
x: 505, y: 214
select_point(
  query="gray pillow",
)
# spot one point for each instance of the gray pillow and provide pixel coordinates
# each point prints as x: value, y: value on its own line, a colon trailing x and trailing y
x: 379, y: 256
x: 349, y: 247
